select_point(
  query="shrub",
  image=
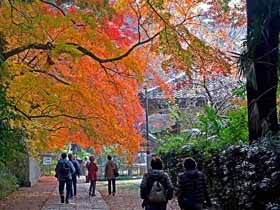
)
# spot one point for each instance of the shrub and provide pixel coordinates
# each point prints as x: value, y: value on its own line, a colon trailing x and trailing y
x: 8, y: 182
x: 240, y: 177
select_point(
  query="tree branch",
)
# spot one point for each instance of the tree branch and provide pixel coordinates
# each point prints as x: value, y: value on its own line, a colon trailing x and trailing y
x: 30, y: 117
x: 107, y: 60
x: 18, y: 50
x: 54, y: 5
x: 53, y: 76
x: 50, y: 46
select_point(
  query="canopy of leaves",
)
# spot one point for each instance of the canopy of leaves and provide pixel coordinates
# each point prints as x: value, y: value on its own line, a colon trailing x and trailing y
x: 73, y: 68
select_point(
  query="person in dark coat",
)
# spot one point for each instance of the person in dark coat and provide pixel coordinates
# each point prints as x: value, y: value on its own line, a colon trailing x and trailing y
x: 155, y: 174
x: 192, y: 187
x: 74, y: 175
x: 64, y: 170
x: 92, y: 175
x: 111, y: 169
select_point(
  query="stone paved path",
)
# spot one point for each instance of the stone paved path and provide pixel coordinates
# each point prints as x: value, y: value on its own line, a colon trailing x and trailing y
x: 82, y: 202
x: 30, y: 198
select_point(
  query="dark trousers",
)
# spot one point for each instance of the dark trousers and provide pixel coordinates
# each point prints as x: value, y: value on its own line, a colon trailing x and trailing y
x: 92, y: 187
x: 68, y: 184
x: 74, y: 181
x: 110, y: 183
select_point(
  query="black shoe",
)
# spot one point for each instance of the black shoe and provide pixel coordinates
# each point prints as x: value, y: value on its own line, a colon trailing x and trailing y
x: 113, y: 194
x: 93, y: 194
x: 67, y: 201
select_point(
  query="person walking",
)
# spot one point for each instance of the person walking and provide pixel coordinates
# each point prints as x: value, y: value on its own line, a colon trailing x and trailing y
x: 111, y: 172
x: 156, y: 187
x: 92, y: 175
x: 76, y: 174
x: 64, y: 170
x: 192, y: 187
x: 84, y: 168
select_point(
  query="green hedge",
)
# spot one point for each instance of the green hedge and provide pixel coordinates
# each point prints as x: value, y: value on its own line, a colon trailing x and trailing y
x: 8, y: 182
x: 240, y: 177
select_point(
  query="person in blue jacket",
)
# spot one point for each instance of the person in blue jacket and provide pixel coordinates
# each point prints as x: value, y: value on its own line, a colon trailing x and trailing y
x: 74, y: 175
x: 64, y: 170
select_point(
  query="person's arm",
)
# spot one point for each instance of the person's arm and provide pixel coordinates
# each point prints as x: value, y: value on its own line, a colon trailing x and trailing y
x: 106, y: 170
x: 79, y: 172
x: 57, y: 170
x: 116, y: 167
x: 144, y: 186
x: 179, y: 189
x: 169, y: 188
x: 95, y: 168
x: 72, y: 168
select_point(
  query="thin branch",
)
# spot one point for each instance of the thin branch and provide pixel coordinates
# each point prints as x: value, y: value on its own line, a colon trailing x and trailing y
x: 54, y: 5
x: 52, y: 75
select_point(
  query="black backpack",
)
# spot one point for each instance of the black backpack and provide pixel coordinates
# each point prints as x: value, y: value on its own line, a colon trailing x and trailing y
x: 65, y: 170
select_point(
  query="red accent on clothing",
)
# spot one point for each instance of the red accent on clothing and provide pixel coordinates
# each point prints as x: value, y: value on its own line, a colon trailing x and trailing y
x: 92, y: 171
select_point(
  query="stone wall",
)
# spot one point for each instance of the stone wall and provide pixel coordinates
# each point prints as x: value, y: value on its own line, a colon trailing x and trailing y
x: 33, y: 171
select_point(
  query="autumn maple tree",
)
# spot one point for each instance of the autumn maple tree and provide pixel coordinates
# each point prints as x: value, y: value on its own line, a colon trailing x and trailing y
x: 72, y: 68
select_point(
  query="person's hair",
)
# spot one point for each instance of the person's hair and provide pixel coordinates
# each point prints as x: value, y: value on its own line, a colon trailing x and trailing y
x: 91, y: 158
x: 63, y: 155
x: 190, y: 163
x: 109, y: 157
x: 85, y: 158
x: 70, y: 156
x: 156, y: 163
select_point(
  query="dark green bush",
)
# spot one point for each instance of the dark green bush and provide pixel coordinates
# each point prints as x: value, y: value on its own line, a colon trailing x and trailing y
x: 8, y: 182
x: 12, y: 145
x: 240, y: 177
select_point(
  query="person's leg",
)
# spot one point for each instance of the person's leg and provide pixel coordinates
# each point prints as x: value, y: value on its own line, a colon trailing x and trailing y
x: 74, y: 180
x: 61, y: 190
x: 71, y: 188
x: 93, y: 187
x: 90, y: 188
x: 109, y: 186
x: 114, y: 186
x: 68, y: 189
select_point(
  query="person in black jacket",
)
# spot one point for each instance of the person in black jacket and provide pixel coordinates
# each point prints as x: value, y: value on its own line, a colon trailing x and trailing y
x: 63, y: 171
x: 74, y: 175
x: 156, y: 177
x: 192, y: 187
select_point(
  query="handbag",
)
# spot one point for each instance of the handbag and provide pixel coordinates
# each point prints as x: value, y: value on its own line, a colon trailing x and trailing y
x: 116, y: 173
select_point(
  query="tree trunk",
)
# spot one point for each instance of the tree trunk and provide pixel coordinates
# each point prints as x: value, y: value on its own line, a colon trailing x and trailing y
x: 262, y: 79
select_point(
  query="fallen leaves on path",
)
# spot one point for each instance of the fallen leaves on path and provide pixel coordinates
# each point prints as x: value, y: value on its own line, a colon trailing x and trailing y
x: 127, y: 196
